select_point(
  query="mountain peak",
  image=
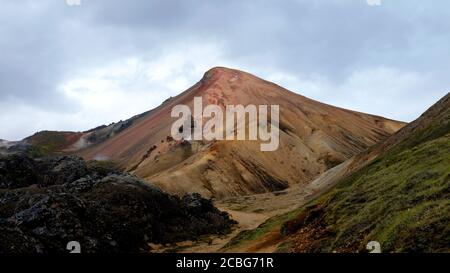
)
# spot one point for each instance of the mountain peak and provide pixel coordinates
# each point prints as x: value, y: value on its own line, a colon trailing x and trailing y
x: 218, y: 80
x: 222, y: 69
x: 219, y: 72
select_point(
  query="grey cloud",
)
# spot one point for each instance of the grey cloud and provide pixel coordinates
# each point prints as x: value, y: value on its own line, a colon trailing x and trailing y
x: 46, y: 43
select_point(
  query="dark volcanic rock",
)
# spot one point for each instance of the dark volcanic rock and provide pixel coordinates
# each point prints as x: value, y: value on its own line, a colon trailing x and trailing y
x: 60, y: 170
x: 17, y: 171
x: 45, y: 203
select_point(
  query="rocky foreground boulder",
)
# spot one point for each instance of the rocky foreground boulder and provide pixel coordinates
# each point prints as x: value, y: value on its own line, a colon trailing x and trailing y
x: 47, y: 202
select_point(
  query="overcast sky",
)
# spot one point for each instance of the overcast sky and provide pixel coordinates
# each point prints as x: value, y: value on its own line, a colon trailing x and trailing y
x: 68, y: 67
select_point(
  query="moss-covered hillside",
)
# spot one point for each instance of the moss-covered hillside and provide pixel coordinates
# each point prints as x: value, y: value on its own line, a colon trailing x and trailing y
x: 401, y: 199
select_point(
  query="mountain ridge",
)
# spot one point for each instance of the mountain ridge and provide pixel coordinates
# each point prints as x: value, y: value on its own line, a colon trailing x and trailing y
x: 314, y: 134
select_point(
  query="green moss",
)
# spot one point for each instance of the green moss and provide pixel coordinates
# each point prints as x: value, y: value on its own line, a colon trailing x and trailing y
x: 34, y: 152
x: 49, y: 142
x: 102, y: 167
x: 401, y: 200
x: 436, y: 129
x: 284, y: 247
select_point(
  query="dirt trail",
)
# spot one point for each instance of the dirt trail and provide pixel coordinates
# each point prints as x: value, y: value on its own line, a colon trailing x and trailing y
x: 246, y: 221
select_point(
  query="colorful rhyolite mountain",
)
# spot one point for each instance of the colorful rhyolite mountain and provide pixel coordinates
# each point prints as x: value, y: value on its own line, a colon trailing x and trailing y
x: 314, y: 137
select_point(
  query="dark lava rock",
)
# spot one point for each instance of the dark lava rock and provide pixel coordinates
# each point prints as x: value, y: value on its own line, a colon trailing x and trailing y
x: 47, y: 202
x: 60, y: 170
x: 17, y: 171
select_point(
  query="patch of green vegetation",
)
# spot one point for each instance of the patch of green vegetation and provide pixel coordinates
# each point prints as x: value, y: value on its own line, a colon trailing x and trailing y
x: 48, y: 142
x: 34, y: 152
x: 284, y: 247
x: 102, y: 167
x: 436, y: 129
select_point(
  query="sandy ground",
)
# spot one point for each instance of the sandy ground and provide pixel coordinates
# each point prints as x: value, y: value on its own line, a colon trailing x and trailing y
x: 213, y: 243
